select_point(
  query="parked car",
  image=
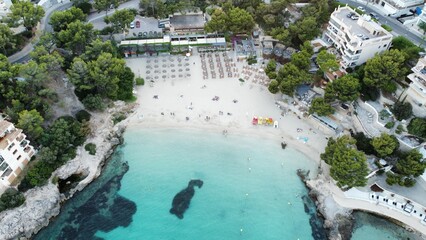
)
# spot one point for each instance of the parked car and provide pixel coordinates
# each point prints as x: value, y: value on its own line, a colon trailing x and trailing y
x: 140, y: 34
x: 374, y: 15
x: 132, y: 25
x: 350, y: 15
x: 362, y: 9
x: 355, y: 17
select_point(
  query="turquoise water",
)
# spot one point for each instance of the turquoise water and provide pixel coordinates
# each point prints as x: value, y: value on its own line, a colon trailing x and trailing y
x: 258, y: 195
x: 368, y: 226
x: 250, y: 191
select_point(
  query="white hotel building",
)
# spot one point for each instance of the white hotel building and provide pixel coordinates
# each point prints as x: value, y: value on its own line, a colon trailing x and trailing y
x: 15, y: 153
x: 417, y: 89
x: 357, y: 39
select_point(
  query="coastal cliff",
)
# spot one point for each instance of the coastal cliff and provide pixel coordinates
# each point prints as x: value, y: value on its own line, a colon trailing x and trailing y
x: 338, y: 221
x: 43, y: 203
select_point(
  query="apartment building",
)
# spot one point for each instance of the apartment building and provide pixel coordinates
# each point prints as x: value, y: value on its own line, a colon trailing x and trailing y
x: 397, y: 7
x: 357, y: 38
x: 15, y: 152
x: 417, y: 89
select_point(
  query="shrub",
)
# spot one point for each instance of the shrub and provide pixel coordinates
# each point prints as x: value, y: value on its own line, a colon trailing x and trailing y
x: 387, y: 28
x: 11, y: 198
x: 380, y: 172
x: 83, y: 115
x: 402, y: 110
x: 140, y: 81
x: 409, y: 182
x: 417, y: 126
x: 389, y: 125
x: 106, y: 30
x: 118, y: 117
x: 392, y: 179
x: 93, y: 102
x: 399, y: 129
x: 91, y: 148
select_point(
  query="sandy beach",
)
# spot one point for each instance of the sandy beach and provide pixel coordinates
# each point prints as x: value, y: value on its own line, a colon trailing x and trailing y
x: 188, y: 103
x: 226, y: 104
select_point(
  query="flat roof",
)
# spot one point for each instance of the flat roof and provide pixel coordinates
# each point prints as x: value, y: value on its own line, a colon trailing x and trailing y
x: 327, y: 121
x: 364, y: 25
x: 187, y: 21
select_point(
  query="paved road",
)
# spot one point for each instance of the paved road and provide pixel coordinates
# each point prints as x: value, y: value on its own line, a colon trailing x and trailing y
x: 97, y: 19
x: 397, y: 27
x: 44, y: 26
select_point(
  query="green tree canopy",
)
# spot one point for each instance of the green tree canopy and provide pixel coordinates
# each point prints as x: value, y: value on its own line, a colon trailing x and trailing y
x: 411, y: 165
x: 385, y: 144
x: 51, y: 62
x: 383, y: 69
x: 30, y: 122
x: 11, y: 198
x: 410, y: 49
x: 104, y: 5
x: 281, y: 34
x: 290, y: 76
x: 26, y: 13
x: 304, y: 30
x: 106, y: 76
x: 402, y: 110
x: 97, y: 47
x: 327, y: 61
x: 76, y: 36
x: 363, y: 143
x: 345, y: 89
x: 321, y: 107
x: 6, y: 37
x: 218, y: 22
x: 60, y: 19
x: 273, y: 86
x: 422, y: 26
x: 240, y: 21
x: 302, y: 60
x: 120, y: 19
x: 417, y: 127
x: 348, y: 166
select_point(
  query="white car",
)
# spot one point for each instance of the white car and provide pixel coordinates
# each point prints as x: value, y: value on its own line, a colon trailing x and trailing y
x: 362, y: 9
x: 132, y: 25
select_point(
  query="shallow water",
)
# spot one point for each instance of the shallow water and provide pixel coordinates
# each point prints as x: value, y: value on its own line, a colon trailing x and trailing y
x: 250, y: 191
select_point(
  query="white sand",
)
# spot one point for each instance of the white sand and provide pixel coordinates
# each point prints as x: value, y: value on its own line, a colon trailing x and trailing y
x: 179, y: 95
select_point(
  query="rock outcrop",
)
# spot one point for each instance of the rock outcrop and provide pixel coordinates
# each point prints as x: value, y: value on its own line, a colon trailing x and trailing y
x: 43, y: 203
x: 338, y: 221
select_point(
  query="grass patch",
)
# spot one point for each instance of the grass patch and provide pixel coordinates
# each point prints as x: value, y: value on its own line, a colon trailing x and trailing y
x: 387, y: 28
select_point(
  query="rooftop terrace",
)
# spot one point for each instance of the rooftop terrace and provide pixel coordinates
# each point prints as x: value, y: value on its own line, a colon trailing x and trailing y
x: 363, y: 26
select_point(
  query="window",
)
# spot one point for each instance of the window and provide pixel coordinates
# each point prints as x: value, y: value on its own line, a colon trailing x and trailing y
x: 11, y: 146
x: 19, y: 157
x: 385, y: 45
x: 14, y: 152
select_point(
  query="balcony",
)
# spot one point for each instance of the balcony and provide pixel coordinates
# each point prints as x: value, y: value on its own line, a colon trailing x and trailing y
x: 27, y: 149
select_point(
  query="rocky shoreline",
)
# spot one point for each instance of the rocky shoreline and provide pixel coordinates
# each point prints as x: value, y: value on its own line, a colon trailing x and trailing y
x: 338, y: 221
x: 44, y: 203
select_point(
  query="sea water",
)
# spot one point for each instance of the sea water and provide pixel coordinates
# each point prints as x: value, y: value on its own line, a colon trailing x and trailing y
x: 250, y: 191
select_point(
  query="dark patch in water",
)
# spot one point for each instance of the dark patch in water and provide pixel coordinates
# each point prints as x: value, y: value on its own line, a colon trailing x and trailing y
x: 316, y: 222
x: 97, y: 208
x: 182, y: 200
